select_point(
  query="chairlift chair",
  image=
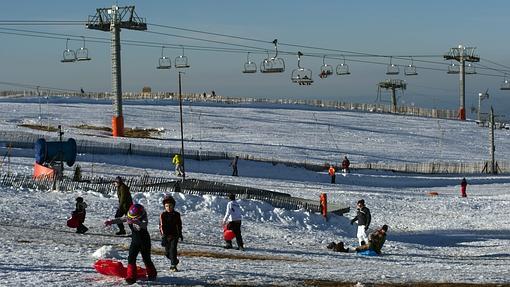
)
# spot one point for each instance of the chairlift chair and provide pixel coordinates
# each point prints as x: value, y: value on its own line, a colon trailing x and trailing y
x: 470, y: 69
x: 505, y: 85
x: 301, y: 76
x: 69, y: 56
x: 181, y: 61
x: 249, y: 67
x: 342, y: 69
x: 326, y: 70
x: 453, y: 69
x: 82, y: 54
x: 410, y: 70
x: 164, y: 62
x: 392, y: 69
x: 273, y: 64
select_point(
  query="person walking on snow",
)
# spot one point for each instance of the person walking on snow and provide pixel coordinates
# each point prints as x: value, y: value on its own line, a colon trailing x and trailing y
x: 463, y: 186
x: 363, y: 219
x: 331, y: 172
x: 125, y: 201
x: 232, y: 220
x: 140, y: 242
x: 80, y: 213
x: 233, y: 164
x: 170, y: 227
x: 345, y: 165
x: 177, y: 161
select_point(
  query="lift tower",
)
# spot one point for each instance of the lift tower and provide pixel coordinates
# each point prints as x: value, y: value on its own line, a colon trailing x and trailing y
x: 393, y: 85
x: 113, y: 19
x: 462, y: 55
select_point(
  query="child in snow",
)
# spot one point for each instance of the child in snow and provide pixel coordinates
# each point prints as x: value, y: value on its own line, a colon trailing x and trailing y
x: 376, y: 240
x: 233, y: 221
x: 80, y: 214
x: 170, y: 227
x: 331, y: 172
x: 140, y: 241
x: 337, y: 247
x: 363, y: 218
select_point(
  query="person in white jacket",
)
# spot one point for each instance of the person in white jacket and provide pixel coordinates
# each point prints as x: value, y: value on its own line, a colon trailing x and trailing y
x: 232, y: 220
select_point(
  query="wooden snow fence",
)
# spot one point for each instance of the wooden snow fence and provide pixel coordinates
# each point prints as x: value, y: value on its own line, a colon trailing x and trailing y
x: 165, y: 185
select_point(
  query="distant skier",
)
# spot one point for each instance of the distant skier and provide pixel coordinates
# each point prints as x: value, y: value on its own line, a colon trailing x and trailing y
x: 331, y: 172
x: 170, y: 227
x: 232, y: 220
x: 463, y: 186
x: 233, y: 164
x: 80, y: 214
x: 363, y: 218
x: 125, y: 201
x: 177, y: 161
x: 345, y: 165
x: 140, y: 242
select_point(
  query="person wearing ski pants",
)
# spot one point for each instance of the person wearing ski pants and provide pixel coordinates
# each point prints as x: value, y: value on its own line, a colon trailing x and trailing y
x: 363, y: 219
x: 140, y: 242
x: 170, y: 227
x: 233, y: 219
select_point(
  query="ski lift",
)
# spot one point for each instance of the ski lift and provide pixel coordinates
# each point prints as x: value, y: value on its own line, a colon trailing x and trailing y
x: 342, y: 69
x: 300, y: 75
x: 392, y: 69
x: 249, y: 67
x: 274, y: 64
x: 82, y: 54
x: 69, y: 56
x: 470, y: 69
x: 506, y: 84
x: 453, y: 69
x: 164, y: 62
x: 410, y: 70
x: 181, y: 61
x: 326, y: 70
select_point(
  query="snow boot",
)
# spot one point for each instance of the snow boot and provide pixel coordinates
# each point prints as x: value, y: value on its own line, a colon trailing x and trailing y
x: 173, y: 268
x: 151, y: 271
x: 228, y: 244
x: 131, y: 274
x: 121, y: 232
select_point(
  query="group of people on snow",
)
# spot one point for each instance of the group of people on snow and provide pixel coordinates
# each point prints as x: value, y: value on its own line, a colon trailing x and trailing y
x: 345, y: 169
x: 170, y: 228
x: 373, y: 242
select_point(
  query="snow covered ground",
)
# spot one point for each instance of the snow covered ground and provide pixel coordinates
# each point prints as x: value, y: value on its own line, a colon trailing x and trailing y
x: 441, y: 238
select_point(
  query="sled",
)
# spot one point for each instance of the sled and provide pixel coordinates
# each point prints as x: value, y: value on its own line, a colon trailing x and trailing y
x: 75, y: 220
x: 228, y: 234
x: 112, y: 267
x: 368, y: 252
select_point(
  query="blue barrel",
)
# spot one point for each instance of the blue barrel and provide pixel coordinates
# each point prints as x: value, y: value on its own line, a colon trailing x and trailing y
x: 46, y: 152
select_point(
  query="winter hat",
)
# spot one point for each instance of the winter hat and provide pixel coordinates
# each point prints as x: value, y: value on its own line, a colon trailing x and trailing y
x: 385, y: 228
x: 232, y: 196
x: 118, y: 179
x: 79, y: 199
x: 361, y: 201
x: 135, y: 211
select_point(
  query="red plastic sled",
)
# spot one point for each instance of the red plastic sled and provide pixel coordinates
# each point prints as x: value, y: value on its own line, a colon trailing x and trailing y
x: 112, y: 267
x: 228, y: 234
x: 75, y: 220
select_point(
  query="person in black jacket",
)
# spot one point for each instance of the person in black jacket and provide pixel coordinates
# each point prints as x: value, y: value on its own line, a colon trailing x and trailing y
x: 170, y: 227
x: 80, y: 212
x: 363, y: 219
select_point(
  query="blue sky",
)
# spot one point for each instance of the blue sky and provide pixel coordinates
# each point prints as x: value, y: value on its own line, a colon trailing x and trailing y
x: 386, y: 28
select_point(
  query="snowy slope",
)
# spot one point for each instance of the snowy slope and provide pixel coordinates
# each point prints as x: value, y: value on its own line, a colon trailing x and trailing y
x: 441, y: 238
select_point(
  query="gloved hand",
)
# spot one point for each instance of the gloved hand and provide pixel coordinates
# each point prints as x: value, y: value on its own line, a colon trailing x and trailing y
x: 108, y: 223
x: 352, y: 221
x: 163, y: 241
x: 366, y: 228
x: 182, y: 238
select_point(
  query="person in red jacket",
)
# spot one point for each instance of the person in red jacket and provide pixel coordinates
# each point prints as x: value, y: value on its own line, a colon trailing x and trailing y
x: 463, y: 186
x: 331, y: 172
x: 170, y: 227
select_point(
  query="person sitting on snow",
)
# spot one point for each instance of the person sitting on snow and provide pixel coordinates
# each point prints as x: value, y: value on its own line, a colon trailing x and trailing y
x: 376, y: 240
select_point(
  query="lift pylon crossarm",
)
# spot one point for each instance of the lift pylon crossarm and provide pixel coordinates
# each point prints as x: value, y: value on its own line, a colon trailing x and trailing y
x: 127, y: 19
x: 462, y: 53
